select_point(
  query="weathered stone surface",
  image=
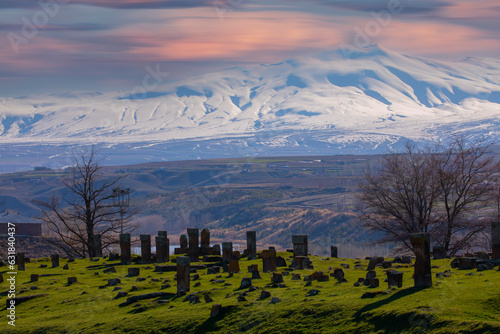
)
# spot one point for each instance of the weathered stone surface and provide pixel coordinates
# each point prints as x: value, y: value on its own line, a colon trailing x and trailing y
x: 495, y: 240
x: 34, y: 278
x: 181, y: 251
x: 55, y: 260
x: 227, y: 251
x: 246, y: 282
x: 268, y: 260
x: 274, y: 300
x: 20, y: 262
x: 255, y: 274
x: 264, y: 294
x: 251, y: 245
x: 97, y: 242
x: 216, y: 250
x: 438, y: 252
x: 334, y: 251
x: 208, y: 299
x: 394, y: 278
x: 135, y: 299
x: 72, y: 280
x: 372, y: 264
x: 467, y: 263
x: 205, y: 238
x: 145, y: 248
x: 253, y: 267
x: 194, y: 244
x: 134, y: 272
x: 125, y: 249
x: 113, y: 257
x: 300, y: 245
x: 234, y: 267
x: 374, y: 282
x: 406, y: 259
x: 302, y: 262
x: 183, y: 241
x: 371, y: 274
x: 277, y: 278
x: 162, y: 249
x: 212, y: 258
x: 280, y: 262
x: 236, y: 255
x: 66, y: 267
x: 421, y: 247
x: 109, y: 270
x: 114, y: 281
x: 183, y: 276
x: 121, y: 294
x: 338, y: 274
x: 240, y: 299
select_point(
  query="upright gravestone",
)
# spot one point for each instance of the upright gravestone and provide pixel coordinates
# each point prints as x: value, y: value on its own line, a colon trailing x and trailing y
x: 21, y: 262
x: 125, y: 248
x: 55, y: 260
x: 97, y: 241
x: 227, y: 251
x: 145, y: 248
x: 495, y: 240
x: 183, y: 241
x: 194, y: 244
x: 334, y: 251
x: 163, y: 234
x: 300, y: 245
x: 268, y: 260
x: 438, y: 252
x: 394, y: 278
x: 183, y: 272
x: 205, y: 238
x: 162, y: 249
x: 422, y: 249
x: 251, y: 245
x: 205, y: 248
x: 216, y: 250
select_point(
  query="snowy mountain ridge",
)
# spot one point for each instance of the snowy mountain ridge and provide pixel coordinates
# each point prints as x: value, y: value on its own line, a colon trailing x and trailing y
x: 373, y: 98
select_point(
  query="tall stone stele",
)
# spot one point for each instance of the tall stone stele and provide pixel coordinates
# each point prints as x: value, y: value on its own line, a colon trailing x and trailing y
x: 252, y: 245
x: 97, y: 241
x: 269, y: 260
x: 145, y: 248
x: 495, y: 240
x: 194, y: 244
x: 162, y: 249
x: 55, y: 260
x: 227, y: 251
x: 183, y: 272
x: 334, y: 252
x: 422, y: 248
x: 300, y: 247
x: 21, y: 262
x: 125, y: 248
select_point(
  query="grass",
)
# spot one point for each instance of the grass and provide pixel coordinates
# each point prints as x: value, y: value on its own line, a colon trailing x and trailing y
x: 457, y: 304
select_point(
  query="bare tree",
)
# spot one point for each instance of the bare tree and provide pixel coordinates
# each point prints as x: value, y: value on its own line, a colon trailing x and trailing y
x: 438, y: 190
x: 466, y: 175
x: 399, y: 196
x: 86, y: 209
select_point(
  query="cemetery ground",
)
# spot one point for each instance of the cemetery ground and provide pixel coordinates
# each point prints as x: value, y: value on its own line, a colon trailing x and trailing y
x: 460, y: 301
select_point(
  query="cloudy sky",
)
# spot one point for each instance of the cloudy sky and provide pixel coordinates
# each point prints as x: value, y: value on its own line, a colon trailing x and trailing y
x: 53, y: 46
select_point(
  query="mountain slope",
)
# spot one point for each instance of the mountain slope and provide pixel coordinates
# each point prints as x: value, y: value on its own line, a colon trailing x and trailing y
x: 372, y: 97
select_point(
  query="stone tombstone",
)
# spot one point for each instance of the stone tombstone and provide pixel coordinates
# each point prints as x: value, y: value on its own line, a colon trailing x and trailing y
x: 300, y: 245
x: 372, y: 264
x: 495, y: 240
x: 438, y: 252
x: 183, y: 241
x: 394, y: 278
x: 97, y: 245
x: 205, y: 238
x: 251, y: 245
x: 234, y: 267
x: 280, y: 261
x: 268, y: 260
x: 183, y: 272
x: 216, y: 249
x: 301, y: 263
x: 334, y: 251
x: 55, y: 260
x: 145, y: 248
x: 163, y: 234
x: 227, y: 251
x: 194, y: 244
x: 125, y: 248
x: 34, y: 277
x: 162, y: 249
x: 21, y: 262
x: 253, y: 267
x: 422, y: 249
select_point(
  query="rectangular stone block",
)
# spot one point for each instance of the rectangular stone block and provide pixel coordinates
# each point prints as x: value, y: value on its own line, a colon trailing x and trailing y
x: 125, y: 249
x: 180, y: 251
x: 183, y: 274
x: 162, y: 249
x: 495, y: 240
x: 205, y: 238
x: 251, y: 245
x: 55, y: 260
x: 300, y: 245
x: 268, y: 260
x: 21, y: 262
x: 334, y: 251
x: 422, y: 248
x: 227, y: 251
x: 194, y: 244
x: 145, y: 248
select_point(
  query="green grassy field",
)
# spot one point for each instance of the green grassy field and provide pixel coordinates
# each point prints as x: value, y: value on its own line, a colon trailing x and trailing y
x: 462, y: 303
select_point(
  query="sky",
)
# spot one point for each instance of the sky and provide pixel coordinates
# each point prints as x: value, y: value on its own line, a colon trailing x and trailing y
x: 57, y: 46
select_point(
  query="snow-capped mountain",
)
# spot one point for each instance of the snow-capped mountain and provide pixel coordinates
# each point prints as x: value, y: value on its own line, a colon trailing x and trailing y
x: 334, y: 102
